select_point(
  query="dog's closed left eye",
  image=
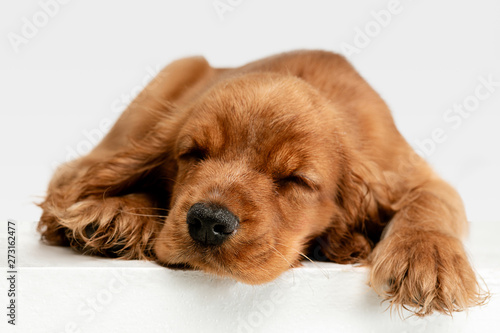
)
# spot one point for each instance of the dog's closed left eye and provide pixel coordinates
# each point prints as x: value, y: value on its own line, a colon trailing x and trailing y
x: 295, y: 179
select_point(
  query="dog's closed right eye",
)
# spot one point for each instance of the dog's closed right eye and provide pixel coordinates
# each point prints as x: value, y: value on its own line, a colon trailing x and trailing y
x: 195, y: 154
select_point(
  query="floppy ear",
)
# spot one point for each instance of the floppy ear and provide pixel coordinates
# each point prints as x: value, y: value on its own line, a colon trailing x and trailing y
x: 357, y: 227
x: 137, y: 168
x: 143, y: 137
x: 114, y: 206
x: 112, y: 201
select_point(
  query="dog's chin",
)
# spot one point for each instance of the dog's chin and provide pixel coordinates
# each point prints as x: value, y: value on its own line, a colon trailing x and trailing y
x: 225, y: 268
x: 246, y: 277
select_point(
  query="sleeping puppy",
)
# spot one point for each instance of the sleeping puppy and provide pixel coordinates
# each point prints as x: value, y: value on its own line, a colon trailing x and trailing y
x: 242, y: 172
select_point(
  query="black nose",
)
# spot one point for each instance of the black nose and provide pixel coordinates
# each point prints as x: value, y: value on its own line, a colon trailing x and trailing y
x: 210, y: 224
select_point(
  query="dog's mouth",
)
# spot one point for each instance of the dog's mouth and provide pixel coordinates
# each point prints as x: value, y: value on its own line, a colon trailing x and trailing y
x: 212, y: 239
x: 178, y: 266
x: 260, y: 265
x: 212, y: 259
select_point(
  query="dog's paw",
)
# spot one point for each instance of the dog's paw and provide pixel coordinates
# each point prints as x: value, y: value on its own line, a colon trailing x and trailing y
x: 424, y: 272
x: 122, y: 227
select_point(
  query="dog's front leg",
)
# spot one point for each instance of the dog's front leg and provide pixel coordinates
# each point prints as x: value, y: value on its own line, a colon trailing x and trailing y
x: 420, y: 261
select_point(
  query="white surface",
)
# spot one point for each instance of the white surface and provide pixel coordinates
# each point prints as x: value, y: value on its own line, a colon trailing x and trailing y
x: 81, y: 67
x: 61, y: 291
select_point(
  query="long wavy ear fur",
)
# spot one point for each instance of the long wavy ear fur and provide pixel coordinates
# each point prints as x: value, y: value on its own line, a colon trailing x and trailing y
x: 113, y: 207
x: 126, y: 180
x: 123, y: 172
x: 364, y: 211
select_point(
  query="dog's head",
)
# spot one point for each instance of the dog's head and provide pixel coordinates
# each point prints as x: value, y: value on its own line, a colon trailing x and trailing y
x: 259, y: 162
x: 253, y: 170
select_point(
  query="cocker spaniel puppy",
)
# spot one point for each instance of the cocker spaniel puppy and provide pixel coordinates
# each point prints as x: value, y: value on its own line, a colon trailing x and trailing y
x: 241, y: 172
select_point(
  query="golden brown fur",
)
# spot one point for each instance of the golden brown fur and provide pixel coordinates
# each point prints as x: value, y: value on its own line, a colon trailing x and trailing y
x: 301, y: 149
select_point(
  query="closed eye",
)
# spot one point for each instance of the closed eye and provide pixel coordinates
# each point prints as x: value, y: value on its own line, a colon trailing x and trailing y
x: 193, y: 155
x: 296, y: 180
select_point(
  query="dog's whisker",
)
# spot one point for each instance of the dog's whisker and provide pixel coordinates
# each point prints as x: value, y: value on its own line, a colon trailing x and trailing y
x: 150, y: 208
x: 145, y: 215
x: 281, y: 255
x: 325, y: 273
x: 170, y: 179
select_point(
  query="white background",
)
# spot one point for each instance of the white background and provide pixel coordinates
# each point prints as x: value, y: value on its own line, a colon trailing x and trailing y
x: 68, y: 77
x: 80, y: 65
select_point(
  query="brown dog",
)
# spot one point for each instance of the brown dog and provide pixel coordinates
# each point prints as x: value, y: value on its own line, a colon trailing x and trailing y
x: 239, y: 172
